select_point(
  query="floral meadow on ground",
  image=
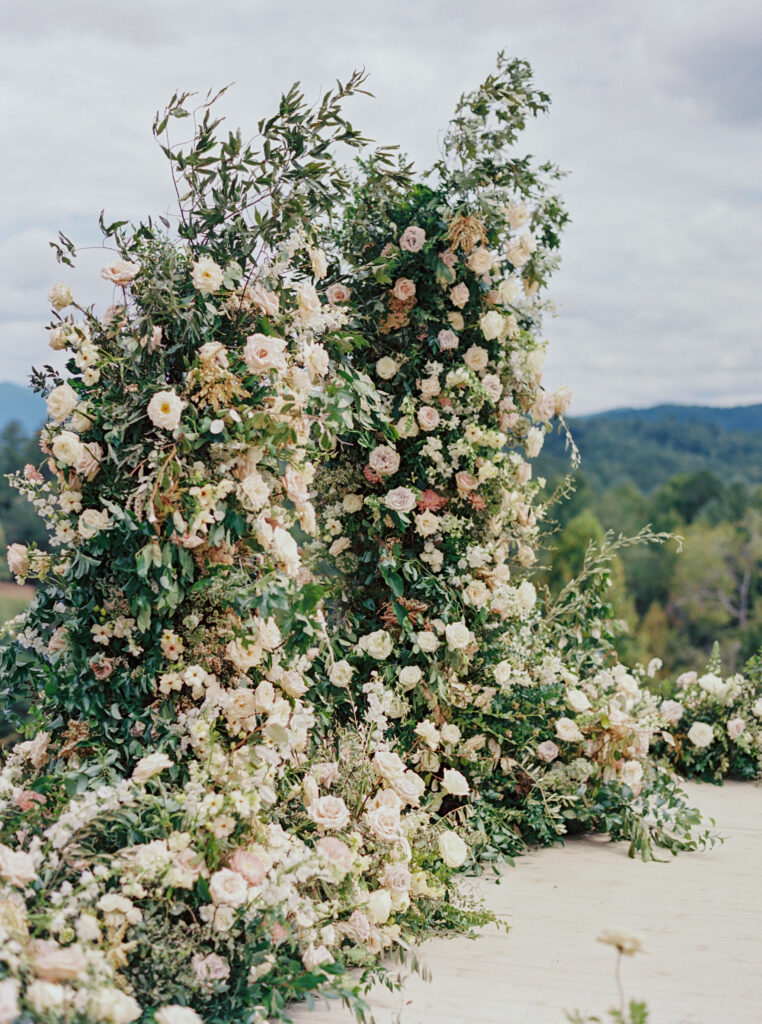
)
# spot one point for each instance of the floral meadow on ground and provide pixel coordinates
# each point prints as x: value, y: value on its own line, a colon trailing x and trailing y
x: 289, y: 667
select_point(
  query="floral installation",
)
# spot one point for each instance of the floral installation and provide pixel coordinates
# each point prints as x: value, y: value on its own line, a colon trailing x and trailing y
x: 712, y: 727
x: 514, y: 710
x: 181, y: 838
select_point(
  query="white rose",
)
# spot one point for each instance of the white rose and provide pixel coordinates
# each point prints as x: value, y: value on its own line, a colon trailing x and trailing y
x: 428, y: 733
x: 502, y: 673
x: 476, y: 594
x: 452, y: 849
x: 379, y: 906
x: 67, y: 448
x: 341, y: 673
x: 410, y: 676
x: 165, y: 409
x: 206, y: 275
x: 568, y: 731
x: 228, y: 887
x: 61, y: 401
x: 492, y: 325
x: 577, y: 701
x: 458, y: 635
x: 255, y: 489
x: 308, y: 301
x: 175, y: 1014
x: 112, y: 1006
x: 329, y: 812
x: 476, y: 357
x: 527, y: 595
x: 631, y: 775
x: 150, y: 765
x: 454, y: 783
x: 44, y: 997
x: 427, y: 641
x: 401, y: 499
x: 92, y: 522
x: 377, y: 644
x: 386, y: 368
x: 509, y: 290
x: 388, y: 765
x: 701, y: 734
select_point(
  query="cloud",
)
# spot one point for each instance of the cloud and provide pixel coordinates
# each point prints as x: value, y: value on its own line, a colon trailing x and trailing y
x: 655, y: 113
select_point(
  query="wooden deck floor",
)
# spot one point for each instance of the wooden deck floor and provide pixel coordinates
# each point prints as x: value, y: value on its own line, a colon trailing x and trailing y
x: 699, y: 915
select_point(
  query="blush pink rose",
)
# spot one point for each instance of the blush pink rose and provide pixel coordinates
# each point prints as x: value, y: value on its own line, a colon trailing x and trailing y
x: 336, y: 851
x: 248, y: 865
x: 448, y: 340
x: 547, y: 751
x: 337, y: 293
x: 412, y: 239
x: 27, y: 798
x: 465, y: 482
x: 459, y: 295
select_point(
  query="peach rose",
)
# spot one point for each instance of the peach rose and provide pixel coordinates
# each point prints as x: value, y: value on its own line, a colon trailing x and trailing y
x: 428, y: 417
x: 120, y: 272
x: 52, y: 962
x: 329, y: 812
x: 459, y: 295
x: 263, y: 353
x: 465, y: 482
x: 336, y: 851
x: 404, y: 289
x: 337, y: 293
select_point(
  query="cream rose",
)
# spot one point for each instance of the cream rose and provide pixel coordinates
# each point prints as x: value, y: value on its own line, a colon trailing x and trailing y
x: 16, y: 867
x: 426, y: 523
x: 352, y: 502
x: 577, y: 700
x: 206, y: 275
x: 409, y: 677
x: 458, y: 635
x: 452, y: 849
x: 377, y: 644
x: 341, y: 674
x: 165, y: 409
x: 568, y: 731
x: 150, y: 765
x: 476, y: 358
x: 61, y: 401
x: 455, y: 783
x: 476, y: 594
x: 480, y: 260
x: 379, y: 906
x: 631, y: 774
x: 319, y: 263
x: 427, y: 641
x: 120, y: 272
x: 263, y: 353
x: 308, y: 301
x: 492, y: 325
x: 384, y: 823
x: 175, y: 1014
x: 66, y: 448
x: 701, y: 734
x: 386, y: 368
x: 60, y: 296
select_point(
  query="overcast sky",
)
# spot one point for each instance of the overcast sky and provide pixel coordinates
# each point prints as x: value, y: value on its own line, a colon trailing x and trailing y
x: 657, y: 111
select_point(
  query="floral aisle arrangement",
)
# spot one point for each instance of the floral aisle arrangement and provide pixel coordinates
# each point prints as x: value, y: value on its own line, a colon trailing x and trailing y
x: 178, y: 842
x: 516, y: 712
x: 713, y: 726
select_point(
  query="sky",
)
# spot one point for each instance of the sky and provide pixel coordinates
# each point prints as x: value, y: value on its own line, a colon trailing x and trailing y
x: 656, y: 115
